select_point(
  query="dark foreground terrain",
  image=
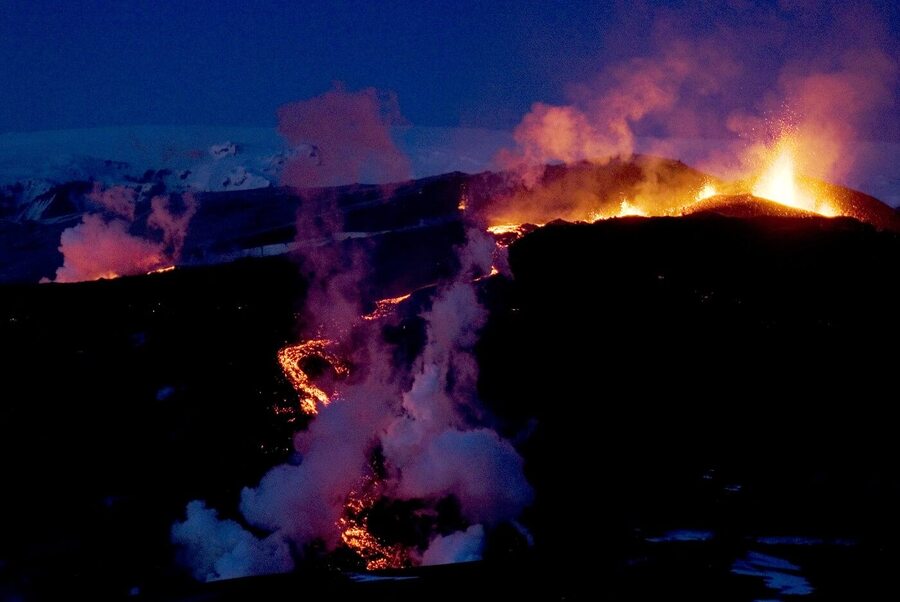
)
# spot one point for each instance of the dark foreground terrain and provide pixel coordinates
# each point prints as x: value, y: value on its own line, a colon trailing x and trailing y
x: 726, y: 385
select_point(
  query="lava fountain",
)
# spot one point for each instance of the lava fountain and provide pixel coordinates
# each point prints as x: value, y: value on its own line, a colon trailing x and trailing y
x: 779, y: 183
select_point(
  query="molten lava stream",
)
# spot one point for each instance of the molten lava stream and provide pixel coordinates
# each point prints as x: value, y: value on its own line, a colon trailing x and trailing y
x: 291, y: 359
x: 384, y: 307
x: 353, y: 524
x: 355, y: 534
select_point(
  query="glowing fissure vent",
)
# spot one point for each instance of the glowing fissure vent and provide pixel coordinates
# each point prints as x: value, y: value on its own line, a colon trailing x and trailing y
x: 708, y: 191
x: 778, y: 183
x: 168, y: 268
x: 626, y: 209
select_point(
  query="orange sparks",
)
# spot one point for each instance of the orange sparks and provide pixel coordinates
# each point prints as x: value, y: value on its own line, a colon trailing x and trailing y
x: 706, y: 192
x: 384, y: 307
x: 292, y: 359
x: 779, y: 183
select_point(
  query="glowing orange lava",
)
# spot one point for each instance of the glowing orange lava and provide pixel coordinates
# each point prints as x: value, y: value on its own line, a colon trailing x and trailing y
x: 170, y: 268
x: 778, y: 182
x: 628, y: 209
x: 706, y: 192
x: 385, y: 307
x: 291, y: 359
x: 501, y: 229
x: 355, y: 533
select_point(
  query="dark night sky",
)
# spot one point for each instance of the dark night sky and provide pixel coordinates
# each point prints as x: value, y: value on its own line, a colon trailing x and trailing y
x: 91, y: 63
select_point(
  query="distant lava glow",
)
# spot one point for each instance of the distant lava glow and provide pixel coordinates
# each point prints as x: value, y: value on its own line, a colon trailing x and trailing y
x: 778, y: 182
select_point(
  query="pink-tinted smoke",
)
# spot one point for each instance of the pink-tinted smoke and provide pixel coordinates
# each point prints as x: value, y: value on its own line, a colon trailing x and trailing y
x: 426, y: 420
x: 346, y: 139
x: 97, y: 248
x: 721, y: 84
x: 600, y: 122
x: 117, y: 200
x: 171, y: 222
x: 108, y: 244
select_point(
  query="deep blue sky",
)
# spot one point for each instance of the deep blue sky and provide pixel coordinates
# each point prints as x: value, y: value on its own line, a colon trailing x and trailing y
x: 88, y: 63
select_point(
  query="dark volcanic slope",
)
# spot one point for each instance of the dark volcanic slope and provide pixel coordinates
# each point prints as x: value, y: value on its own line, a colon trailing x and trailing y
x: 667, y: 358
x: 717, y: 313
x: 705, y: 372
x: 263, y: 222
x: 745, y: 205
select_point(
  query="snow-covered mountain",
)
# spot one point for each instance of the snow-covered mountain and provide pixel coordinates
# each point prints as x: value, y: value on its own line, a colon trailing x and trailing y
x: 211, y: 159
x: 204, y: 159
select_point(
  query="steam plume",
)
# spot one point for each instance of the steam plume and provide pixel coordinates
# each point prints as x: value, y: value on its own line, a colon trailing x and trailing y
x: 348, y: 136
x: 424, y: 420
x: 104, y: 245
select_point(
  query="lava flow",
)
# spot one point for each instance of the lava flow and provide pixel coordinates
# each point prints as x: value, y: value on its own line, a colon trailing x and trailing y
x: 776, y: 182
x: 384, y: 307
x: 170, y: 268
x: 353, y: 524
x: 355, y: 532
x: 292, y: 359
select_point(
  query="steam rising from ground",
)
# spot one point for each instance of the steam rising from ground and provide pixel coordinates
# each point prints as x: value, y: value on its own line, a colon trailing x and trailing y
x: 423, y: 420
x: 430, y: 430
x: 104, y: 244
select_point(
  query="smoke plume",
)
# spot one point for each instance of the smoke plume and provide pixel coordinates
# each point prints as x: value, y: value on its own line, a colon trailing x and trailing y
x: 431, y: 431
x: 117, y: 200
x: 105, y: 243
x: 423, y: 420
x: 97, y: 248
x: 348, y: 138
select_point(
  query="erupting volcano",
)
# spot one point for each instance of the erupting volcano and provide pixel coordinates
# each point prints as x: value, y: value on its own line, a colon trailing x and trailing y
x: 550, y: 312
x: 654, y: 187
